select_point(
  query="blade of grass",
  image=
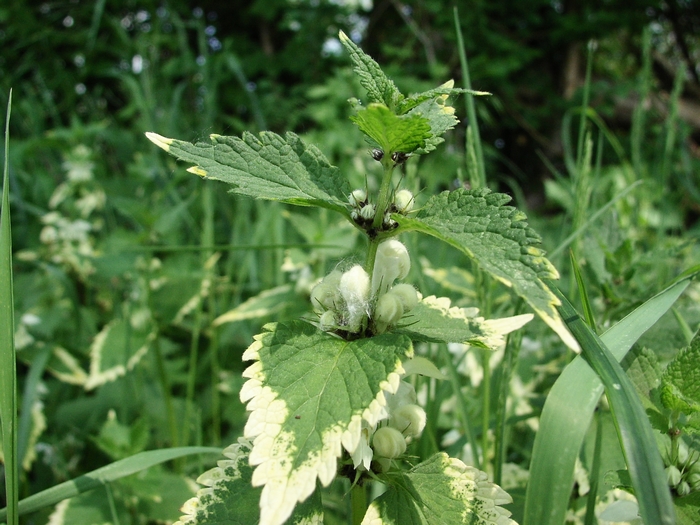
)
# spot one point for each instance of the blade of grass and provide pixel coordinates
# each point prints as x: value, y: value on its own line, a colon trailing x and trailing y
x: 471, y: 110
x: 568, y: 411
x: 583, y: 294
x: 101, y: 476
x: 8, y: 363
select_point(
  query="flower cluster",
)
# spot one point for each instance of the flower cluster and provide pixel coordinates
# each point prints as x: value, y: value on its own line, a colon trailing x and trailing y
x: 363, y: 211
x: 352, y: 302
x: 683, y: 474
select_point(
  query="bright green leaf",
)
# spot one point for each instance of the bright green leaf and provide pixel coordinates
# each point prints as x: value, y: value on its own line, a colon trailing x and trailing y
x: 436, y: 320
x: 230, y: 498
x: 438, y: 491
x: 680, y: 389
x: 498, y: 239
x: 440, y: 117
x: 379, y: 87
x: 390, y: 132
x: 266, y: 167
x: 308, y: 393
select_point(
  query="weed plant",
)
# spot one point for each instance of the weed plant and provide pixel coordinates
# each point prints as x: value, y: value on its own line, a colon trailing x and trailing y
x: 130, y: 317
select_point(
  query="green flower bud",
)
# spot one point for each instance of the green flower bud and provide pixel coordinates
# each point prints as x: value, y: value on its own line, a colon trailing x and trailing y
x: 673, y: 475
x: 387, y: 312
x: 388, y: 443
x: 407, y: 294
x: 683, y: 488
x: 403, y: 200
x: 357, y: 197
x: 367, y: 212
x: 409, y: 420
x: 694, y: 480
x: 325, y: 295
x: 328, y: 321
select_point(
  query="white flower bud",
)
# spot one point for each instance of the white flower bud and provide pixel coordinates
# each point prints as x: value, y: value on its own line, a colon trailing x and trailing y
x: 673, y: 476
x: 356, y: 197
x: 392, y: 262
x: 683, y: 488
x: 387, y: 312
x: 367, y: 212
x: 409, y: 420
x: 407, y: 295
x: 328, y: 321
x: 354, y: 288
x: 403, y: 200
x: 388, y: 443
x: 325, y: 295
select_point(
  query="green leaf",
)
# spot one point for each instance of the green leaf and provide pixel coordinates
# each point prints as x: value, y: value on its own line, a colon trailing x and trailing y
x: 680, y: 388
x: 230, y: 498
x: 568, y: 411
x: 308, y: 393
x: 266, y: 167
x: 101, y: 476
x: 8, y: 361
x: 435, y: 320
x: 379, y: 87
x: 390, y: 132
x: 498, y: 239
x: 440, y: 117
x: 438, y: 491
x: 642, y: 367
x: 688, y: 509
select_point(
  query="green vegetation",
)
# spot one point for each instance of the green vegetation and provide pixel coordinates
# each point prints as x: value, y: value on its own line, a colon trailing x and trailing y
x: 393, y: 323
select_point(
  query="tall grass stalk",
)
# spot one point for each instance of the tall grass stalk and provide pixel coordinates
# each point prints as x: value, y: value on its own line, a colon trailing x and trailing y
x: 475, y: 139
x: 8, y: 363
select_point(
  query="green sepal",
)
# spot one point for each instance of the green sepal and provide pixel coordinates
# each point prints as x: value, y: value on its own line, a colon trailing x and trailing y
x: 392, y: 133
x: 497, y: 238
x: 380, y: 88
x: 440, y: 490
x: 435, y: 320
x: 230, y: 498
x: 267, y: 166
x: 309, y: 392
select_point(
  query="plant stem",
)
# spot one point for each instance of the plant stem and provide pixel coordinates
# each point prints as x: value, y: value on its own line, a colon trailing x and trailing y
x: 358, y: 502
x: 385, y: 191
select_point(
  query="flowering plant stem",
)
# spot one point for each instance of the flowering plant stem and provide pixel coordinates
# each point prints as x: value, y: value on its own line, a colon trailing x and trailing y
x: 383, y: 200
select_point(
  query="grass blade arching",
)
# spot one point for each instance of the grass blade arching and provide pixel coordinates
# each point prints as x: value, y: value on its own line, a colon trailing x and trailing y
x: 568, y: 411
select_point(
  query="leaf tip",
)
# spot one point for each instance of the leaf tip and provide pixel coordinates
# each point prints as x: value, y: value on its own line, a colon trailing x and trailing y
x: 197, y: 170
x: 159, y: 140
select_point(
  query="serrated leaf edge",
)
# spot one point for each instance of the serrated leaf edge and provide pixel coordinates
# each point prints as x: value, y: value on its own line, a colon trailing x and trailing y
x: 236, y: 454
x: 283, y: 485
x: 462, y: 481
